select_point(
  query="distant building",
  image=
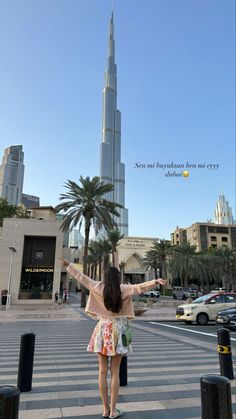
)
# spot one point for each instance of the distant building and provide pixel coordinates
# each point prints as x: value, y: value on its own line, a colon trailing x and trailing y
x: 206, y: 235
x: 76, y: 239
x: 223, y: 212
x: 30, y: 201
x: 12, y: 174
x: 131, y: 251
x: 179, y: 236
x: 60, y: 217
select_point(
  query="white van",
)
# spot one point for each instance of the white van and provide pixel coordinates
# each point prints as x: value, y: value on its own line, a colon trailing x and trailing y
x: 205, y: 308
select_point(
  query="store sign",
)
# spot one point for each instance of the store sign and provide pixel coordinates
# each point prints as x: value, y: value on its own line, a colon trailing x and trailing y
x: 38, y: 269
x: 135, y: 243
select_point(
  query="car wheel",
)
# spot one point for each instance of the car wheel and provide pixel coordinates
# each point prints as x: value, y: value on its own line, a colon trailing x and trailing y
x: 202, y: 319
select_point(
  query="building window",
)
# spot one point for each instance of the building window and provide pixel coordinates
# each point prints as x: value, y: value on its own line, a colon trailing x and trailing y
x: 214, y: 246
x: 220, y: 230
x: 224, y: 239
x: 213, y: 238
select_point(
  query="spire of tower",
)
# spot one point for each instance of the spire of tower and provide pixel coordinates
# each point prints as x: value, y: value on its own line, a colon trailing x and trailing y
x: 111, y: 44
x: 112, y: 7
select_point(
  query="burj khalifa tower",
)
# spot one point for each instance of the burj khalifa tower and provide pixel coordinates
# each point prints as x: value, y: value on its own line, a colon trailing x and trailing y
x: 111, y: 169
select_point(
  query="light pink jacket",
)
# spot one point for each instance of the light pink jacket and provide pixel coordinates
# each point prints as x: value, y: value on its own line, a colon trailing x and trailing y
x: 95, y: 305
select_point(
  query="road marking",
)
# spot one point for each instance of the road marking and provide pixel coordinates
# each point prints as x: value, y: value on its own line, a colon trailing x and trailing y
x: 187, y: 330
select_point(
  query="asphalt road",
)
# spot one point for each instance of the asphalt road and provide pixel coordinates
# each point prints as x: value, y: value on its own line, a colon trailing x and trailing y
x: 205, y: 334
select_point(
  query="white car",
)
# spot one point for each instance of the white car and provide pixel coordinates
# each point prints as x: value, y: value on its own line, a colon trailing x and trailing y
x: 152, y: 294
x: 205, y: 308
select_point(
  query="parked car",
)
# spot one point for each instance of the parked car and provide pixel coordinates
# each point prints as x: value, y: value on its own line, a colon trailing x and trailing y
x: 152, y: 294
x: 205, y: 308
x: 227, y: 318
x: 181, y: 293
x: 216, y: 290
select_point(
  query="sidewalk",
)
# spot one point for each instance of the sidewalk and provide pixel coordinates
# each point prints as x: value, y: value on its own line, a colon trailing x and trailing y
x: 36, y: 312
x: 72, y: 311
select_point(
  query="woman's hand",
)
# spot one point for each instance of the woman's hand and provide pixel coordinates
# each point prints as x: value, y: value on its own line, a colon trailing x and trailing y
x: 161, y: 281
x: 64, y: 262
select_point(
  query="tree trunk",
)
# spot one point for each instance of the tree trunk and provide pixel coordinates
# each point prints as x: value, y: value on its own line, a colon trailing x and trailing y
x: 113, y: 256
x: 106, y: 261
x: 122, y: 275
x: 185, y: 280
x: 100, y: 270
x: 85, y: 262
x: 95, y: 271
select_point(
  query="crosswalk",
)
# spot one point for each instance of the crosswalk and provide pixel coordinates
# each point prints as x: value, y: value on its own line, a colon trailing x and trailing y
x: 163, y: 373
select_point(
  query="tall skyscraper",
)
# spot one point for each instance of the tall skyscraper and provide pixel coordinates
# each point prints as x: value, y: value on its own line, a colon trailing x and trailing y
x: 111, y: 168
x: 12, y: 174
x: 223, y: 212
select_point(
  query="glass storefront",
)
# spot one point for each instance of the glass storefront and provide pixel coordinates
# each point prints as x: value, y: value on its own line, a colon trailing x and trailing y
x: 37, y: 268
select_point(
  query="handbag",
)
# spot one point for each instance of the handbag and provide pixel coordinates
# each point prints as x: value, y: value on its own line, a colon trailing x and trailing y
x: 126, y: 335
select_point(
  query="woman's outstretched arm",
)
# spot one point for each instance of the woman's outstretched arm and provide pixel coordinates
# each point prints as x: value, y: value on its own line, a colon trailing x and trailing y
x: 137, y: 289
x: 78, y: 275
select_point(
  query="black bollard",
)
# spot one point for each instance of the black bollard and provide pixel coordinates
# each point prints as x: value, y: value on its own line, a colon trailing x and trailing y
x: 9, y: 402
x: 216, y: 397
x: 26, y: 361
x: 225, y: 355
x: 123, y: 371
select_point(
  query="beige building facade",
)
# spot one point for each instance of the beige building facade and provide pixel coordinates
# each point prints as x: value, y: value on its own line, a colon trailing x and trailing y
x: 206, y: 235
x: 29, y: 257
x: 179, y: 236
x: 131, y: 251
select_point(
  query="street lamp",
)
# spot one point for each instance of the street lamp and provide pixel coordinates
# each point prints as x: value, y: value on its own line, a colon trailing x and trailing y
x: 13, y: 250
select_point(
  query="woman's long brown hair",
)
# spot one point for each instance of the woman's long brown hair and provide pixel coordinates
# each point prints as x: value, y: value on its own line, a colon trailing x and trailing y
x: 112, y: 292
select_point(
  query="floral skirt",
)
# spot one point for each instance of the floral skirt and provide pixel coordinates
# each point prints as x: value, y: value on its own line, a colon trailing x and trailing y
x: 106, y: 337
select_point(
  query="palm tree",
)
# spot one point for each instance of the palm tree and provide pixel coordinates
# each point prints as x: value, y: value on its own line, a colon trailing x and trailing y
x: 114, y: 236
x: 185, y: 263
x: 122, y: 270
x: 86, y: 204
x: 91, y: 266
x: 105, y: 250
x: 151, y: 261
x: 225, y: 260
x: 163, y: 249
x: 94, y: 256
x: 210, y: 274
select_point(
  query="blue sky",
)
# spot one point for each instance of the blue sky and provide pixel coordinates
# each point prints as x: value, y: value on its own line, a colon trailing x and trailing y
x: 176, y: 93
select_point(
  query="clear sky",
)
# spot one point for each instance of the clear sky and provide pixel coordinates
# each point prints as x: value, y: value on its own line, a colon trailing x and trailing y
x: 176, y: 93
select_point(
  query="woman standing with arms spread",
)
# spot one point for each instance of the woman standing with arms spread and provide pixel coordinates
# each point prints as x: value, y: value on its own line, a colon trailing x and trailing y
x: 111, y: 303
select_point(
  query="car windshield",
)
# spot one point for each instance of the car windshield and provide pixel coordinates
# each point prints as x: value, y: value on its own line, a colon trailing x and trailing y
x: 202, y: 299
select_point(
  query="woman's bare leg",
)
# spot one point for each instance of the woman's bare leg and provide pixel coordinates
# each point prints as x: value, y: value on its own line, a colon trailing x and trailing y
x: 115, y: 382
x: 102, y: 382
